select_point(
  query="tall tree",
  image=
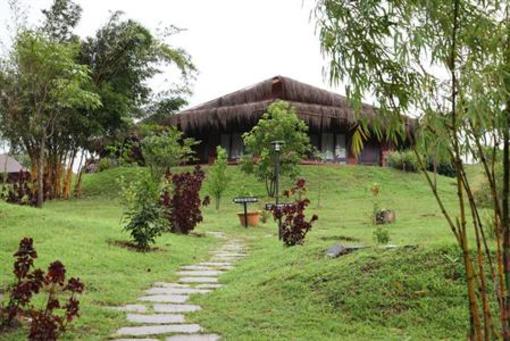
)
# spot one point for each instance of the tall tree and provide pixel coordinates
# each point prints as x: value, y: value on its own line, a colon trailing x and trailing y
x: 123, y: 56
x: 437, y: 59
x: 279, y: 123
x: 61, y: 19
x: 39, y: 81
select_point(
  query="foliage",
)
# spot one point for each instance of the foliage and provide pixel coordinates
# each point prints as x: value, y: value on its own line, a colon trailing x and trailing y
x: 104, y: 164
x: 294, y: 226
x: 60, y: 20
x: 484, y: 194
x: 21, y: 190
x: 279, y: 123
x: 45, y: 322
x: 111, y: 69
x: 143, y: 215
x: 407, y: 161
x: 168, y: 149
x: 41, y: 88
x: 445, y: 168
x: 123, y: 55
x: 217, y: 177
x: 436, y: 59
x: 403, y: 160
x: 182, y: 203
x: 381, y: 235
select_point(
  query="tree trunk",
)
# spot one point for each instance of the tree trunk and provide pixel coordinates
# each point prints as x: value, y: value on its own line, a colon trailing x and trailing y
x: 40, y: 172
x: 505, y: 224
x: 77, y: 186
x: 218, y: 198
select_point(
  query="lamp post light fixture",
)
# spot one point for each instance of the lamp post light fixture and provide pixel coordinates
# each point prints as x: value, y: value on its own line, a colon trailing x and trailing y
x: 277, y: 148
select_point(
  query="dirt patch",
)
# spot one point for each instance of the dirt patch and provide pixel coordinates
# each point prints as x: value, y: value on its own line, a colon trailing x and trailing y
x: 132, y: 246
x: 340, y: 238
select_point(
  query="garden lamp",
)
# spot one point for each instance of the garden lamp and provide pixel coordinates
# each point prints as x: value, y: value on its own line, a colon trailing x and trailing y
x: 277, y: 147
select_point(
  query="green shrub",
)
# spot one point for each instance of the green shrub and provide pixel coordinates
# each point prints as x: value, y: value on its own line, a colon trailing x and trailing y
x: 143, y: 216
x: 483, y: 196
x: 279, y: 123
x: 403, y: 160
x: 218, y: 178
x: 381, y: 235
x: 104, y: 164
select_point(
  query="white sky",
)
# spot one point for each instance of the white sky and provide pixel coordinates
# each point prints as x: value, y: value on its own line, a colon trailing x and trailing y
x: 233, y: 43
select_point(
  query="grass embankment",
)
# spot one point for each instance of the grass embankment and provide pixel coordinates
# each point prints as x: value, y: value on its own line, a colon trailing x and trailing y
x: 277, y: 292
x: 298, y: 294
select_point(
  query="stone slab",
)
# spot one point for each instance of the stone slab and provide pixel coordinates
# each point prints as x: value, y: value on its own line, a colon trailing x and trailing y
x: 131, y: 308
x: 203, y: 267
x: 200, y: 273
x: 170, y: 285
x: 216, y: 264
x: 196, y: 267
x: 198, y: 280
x: 164, y: 298
x: 137, y: 339
x: 229, y: 254
x: 209, y: 286
x: 176, y: 308
x: 175, y: 291
x: 159, y: 329
x: 155, y: 318
x: 194, y: 337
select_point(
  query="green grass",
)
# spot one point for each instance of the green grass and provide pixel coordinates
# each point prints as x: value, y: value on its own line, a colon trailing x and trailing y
x: 277, y: 292
x: 83, y: 235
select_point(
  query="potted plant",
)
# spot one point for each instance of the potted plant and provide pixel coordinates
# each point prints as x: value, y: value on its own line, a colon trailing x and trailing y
x: 248, y: 218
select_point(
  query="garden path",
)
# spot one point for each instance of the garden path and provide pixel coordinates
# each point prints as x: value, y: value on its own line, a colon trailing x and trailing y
x: 161, y: 312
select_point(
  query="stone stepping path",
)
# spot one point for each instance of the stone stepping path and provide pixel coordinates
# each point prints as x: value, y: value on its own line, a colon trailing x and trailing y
x: 161, y: 312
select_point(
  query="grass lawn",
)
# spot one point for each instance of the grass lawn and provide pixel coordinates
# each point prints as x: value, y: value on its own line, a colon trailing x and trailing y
x: 84, y: 235
x: 276, y: 292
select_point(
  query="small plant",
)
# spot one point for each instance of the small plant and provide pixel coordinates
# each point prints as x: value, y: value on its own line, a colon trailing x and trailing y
x: 381, y: 235
x: 165, y: 150
x: 182, y: 203
x: 218, y: 179
x: 143, y: 216
x: 403, y: 160
x: 19, y: 191
x: 264, y: 215
x: 294, y: 224
x: 49, y: 321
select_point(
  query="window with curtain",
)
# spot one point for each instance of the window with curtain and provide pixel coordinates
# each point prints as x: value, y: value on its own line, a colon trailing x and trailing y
x: 327, y: 146
x: 237, y: 146
x: 341, y: 148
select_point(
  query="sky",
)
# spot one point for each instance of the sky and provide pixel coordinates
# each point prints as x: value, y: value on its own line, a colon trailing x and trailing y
x: 233, y: 43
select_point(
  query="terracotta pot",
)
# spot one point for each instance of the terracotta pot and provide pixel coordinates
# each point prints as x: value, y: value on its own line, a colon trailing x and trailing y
x: 252, y: 217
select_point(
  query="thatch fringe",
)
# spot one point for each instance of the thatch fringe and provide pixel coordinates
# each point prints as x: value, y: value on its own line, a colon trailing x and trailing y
x: 319, y: 108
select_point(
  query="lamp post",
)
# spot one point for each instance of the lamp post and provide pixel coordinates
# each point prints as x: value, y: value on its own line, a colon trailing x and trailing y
x: 277, y: 147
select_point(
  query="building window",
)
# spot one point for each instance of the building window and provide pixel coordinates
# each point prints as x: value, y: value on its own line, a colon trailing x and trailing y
x: 236, y: 147
x: 233, y: 144
x: 341, y: 148
x: 327, y: 146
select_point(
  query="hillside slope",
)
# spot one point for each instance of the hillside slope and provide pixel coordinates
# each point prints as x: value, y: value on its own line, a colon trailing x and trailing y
x: 277, y: 293
x: 297, y: 293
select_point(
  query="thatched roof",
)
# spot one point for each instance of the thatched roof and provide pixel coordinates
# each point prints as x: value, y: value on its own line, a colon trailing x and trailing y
x: 10, y: 165
x: 319, y: 108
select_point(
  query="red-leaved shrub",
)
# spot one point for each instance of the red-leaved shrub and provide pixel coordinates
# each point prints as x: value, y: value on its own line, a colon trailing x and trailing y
x: 294, y: 224
x: 182, y: 202
x: 49, y: 321
x: 20, y: 190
